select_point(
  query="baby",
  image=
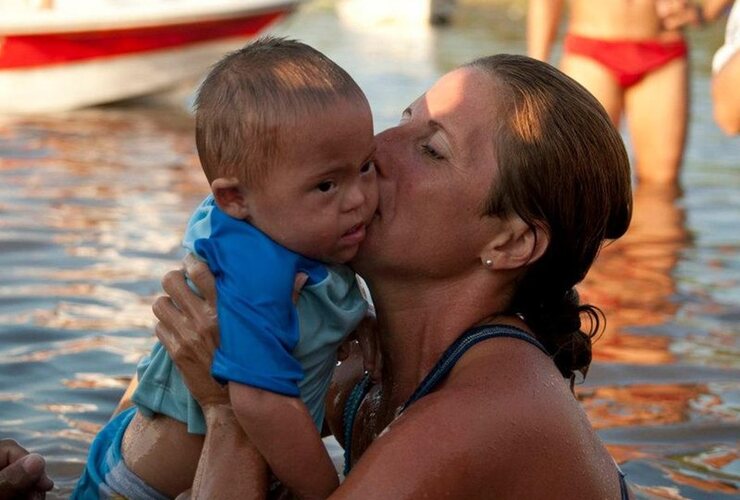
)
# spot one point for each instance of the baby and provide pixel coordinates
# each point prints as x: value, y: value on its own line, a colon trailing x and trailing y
x: 285, y: 138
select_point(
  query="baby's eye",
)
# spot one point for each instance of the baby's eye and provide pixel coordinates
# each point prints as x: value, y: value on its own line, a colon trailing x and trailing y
x: 367, y: 167
x: 325, y: 186
x: 432, y: 152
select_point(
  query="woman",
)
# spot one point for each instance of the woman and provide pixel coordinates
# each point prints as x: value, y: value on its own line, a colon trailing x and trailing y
x: 497, y: 189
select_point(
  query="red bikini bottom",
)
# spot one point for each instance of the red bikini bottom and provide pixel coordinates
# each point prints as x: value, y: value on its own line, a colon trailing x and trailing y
x: 627, y: 60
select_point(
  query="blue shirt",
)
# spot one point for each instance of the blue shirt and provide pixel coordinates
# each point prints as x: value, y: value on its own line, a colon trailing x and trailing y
x: 265, y: 341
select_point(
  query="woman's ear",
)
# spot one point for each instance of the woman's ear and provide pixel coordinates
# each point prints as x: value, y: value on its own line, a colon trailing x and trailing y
x: 231, y: 197
x: 516, y: 245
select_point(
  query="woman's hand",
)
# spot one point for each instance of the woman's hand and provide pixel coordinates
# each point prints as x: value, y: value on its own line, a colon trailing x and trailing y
x: 188, y: 329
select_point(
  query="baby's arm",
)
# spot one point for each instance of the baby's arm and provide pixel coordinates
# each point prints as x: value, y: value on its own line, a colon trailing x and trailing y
x: 283, y: 431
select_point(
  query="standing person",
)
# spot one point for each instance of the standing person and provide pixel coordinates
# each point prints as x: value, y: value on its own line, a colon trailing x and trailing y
x: 285, y: 138
x: 633, y: 58
x: 496, y: 191
x: 726, y: 61
x: 726, y: 77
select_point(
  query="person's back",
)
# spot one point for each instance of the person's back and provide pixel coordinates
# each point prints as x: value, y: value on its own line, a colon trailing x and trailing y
x: 284, y: 136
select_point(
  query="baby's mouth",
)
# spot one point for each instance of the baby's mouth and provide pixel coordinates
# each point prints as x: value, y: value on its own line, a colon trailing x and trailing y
x: 354, y: 236
x: 353, y: 229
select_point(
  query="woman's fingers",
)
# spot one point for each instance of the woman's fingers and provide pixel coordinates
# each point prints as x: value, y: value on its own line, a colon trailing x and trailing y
x: 174, y: 285
x: 197, y: 313
x: 193, y: 359
x: 202, y: 277
x: 167, y: 312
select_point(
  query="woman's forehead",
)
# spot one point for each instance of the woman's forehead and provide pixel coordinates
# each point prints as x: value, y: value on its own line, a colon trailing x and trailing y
x: 460, y: 95
x: 464, y: 102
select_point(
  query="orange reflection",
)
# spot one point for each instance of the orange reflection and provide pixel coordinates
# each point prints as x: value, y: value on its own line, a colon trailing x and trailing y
x: 625, y: 453
x: 632, y: 280
x: 708, y: 471
x: 644, y: 404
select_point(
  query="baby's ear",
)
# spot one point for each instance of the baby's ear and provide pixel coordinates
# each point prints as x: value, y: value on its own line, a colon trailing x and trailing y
x: 231, y: 197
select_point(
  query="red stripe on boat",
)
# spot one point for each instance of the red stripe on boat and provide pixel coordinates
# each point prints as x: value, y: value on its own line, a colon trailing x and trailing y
x: 26, y: 51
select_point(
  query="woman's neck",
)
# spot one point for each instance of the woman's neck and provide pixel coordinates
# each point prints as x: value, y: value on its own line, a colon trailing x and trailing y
x: 418, y: 321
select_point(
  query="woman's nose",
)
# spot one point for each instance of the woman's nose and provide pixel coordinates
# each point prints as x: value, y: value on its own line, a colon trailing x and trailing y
x: 384, y: 144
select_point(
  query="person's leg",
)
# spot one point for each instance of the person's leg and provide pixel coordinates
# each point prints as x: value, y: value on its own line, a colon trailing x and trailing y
x: 657, y: 112
x: 598, y: 80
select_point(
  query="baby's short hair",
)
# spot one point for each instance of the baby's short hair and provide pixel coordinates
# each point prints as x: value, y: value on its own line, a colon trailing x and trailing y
x: 252, y: 94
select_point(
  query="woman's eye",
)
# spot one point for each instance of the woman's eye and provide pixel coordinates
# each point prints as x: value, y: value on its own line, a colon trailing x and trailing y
x: 432, y: 152
x: 325, y: 186
x: 367, y: 167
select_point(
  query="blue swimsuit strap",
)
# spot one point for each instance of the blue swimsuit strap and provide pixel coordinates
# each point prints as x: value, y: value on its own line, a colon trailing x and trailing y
x: 453, y: 353
x: 448, y: 360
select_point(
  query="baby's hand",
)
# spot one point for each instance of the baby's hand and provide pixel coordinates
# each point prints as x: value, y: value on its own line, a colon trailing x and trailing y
x: 300, y: 280
x: 364, y: 337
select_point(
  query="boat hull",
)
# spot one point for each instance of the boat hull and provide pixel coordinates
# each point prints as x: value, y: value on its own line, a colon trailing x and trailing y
x: 57, y: 71
x: 79, y: 84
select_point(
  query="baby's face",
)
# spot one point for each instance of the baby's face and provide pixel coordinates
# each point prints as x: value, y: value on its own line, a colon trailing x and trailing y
x: 319, y: 198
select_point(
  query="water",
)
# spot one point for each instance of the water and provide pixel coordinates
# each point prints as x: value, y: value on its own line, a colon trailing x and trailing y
x: 93, y: 202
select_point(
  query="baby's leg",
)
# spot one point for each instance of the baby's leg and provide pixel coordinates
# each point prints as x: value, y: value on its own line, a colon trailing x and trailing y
x: 162, y: 453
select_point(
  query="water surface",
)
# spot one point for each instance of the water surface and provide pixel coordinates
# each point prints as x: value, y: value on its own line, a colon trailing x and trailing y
x: 93, y: 204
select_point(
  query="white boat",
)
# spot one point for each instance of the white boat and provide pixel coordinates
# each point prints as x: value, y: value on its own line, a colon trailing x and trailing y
x: 57, y: 56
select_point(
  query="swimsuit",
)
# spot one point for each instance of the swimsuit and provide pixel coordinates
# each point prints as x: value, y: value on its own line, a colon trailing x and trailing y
x: 106, y: 474
x: 437, y: 374
x: 629, y: 61
x: 732, y: 40
x: 265, y: 340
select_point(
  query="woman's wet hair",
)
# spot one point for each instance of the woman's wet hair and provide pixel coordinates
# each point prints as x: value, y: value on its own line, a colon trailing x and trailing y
x: 562, y: 167
x: 255, y: 97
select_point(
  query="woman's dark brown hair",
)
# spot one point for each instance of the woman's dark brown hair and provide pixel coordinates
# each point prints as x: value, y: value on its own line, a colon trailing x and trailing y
x: 562, y: 166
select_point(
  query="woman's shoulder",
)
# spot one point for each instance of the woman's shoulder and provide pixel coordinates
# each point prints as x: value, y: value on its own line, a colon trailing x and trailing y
x: 504, y: 410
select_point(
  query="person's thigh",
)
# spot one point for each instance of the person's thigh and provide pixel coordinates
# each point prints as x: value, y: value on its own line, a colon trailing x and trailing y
x: 726, y: 96
x: 657, y: 111
x: 598, y: 80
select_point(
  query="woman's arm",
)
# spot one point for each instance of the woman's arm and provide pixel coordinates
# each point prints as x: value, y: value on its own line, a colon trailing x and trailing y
x: 677, y: 14
x: 230, y: 466
x: 543, y: 18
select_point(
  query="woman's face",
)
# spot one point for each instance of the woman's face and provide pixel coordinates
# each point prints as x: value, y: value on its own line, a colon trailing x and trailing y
x: 434, y: 171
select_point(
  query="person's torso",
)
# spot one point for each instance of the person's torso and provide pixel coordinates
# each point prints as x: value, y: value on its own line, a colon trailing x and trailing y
x: 617, y: 20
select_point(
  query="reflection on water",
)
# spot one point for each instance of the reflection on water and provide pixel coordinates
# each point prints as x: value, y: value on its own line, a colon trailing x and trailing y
x: 642, y: 263
x: 674, y: 425
x: 93, y: 202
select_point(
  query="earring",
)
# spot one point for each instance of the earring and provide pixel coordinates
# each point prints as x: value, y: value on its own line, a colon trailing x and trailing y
x: 488, y: 262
